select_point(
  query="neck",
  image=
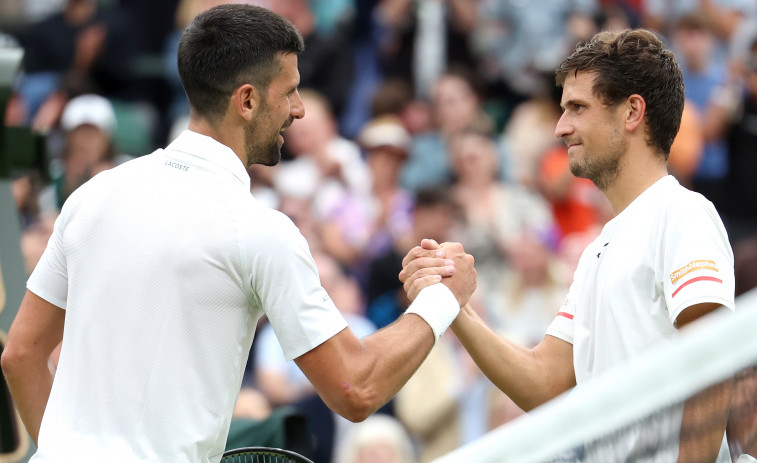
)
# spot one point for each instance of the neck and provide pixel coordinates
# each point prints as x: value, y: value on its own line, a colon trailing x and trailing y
x: 637, y: 174
x: 234, y: 139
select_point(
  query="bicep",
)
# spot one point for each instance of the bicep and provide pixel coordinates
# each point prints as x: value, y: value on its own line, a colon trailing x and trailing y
x: 325, y: 365
x: 557, y: 358
x: 694, y: 312
x: 328, y: 367
x: 37, y: 328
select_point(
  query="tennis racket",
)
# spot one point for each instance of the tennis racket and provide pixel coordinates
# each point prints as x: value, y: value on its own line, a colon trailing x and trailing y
x: 262, y: 455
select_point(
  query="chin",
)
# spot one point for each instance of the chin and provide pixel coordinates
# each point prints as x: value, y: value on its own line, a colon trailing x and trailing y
x: 269, y: 156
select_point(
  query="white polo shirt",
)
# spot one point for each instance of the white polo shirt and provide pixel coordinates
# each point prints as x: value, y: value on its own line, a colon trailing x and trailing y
x: 164, y: 266
x: 666, y: 251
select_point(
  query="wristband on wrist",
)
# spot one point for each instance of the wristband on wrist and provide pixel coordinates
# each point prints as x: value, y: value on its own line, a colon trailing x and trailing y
x: 437, y: 306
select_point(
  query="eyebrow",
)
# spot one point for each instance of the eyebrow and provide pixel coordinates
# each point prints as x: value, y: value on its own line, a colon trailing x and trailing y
x: 572, y: 102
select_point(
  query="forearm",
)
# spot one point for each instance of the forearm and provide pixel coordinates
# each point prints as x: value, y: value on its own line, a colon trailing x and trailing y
x: 387, y: 370
x: 529, y: 377
x: 703, y: 424
x: 29, y: 383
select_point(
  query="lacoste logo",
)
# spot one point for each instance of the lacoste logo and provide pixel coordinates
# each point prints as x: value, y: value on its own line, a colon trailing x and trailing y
x: 176, y: 165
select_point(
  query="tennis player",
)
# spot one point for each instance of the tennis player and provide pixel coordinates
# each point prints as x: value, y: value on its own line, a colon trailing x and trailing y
x: 663, y: 261
x: 159, y: 270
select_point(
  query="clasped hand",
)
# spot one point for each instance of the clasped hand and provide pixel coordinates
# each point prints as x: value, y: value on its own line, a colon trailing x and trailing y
x: 431, y: 263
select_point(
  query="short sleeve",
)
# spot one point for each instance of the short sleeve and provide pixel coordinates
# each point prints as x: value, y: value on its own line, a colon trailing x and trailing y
x: 49, y: 280
x: 562, y: 325
x: 697, y: 260
x: 285, y: 280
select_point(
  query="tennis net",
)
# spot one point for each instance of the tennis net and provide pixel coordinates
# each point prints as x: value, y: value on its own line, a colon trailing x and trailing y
x: 678, y: 395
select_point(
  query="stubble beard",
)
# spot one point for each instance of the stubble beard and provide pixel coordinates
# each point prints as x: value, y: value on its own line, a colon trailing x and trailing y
x: 604, y: 170
x: 260, y: 151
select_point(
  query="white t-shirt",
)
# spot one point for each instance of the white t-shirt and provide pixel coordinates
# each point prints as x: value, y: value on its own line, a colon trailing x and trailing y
x: 666, y: 251
x: 164, y: 266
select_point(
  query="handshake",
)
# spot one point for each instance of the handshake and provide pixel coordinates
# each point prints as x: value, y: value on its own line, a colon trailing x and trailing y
x: 431, y: 263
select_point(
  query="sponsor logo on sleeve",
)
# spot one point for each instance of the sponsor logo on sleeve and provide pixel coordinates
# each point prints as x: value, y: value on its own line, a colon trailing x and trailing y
x: 692, y: 266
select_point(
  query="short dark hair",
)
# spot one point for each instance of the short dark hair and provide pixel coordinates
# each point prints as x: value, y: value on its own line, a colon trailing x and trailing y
x: 634, y: 61
x: 230, y: 45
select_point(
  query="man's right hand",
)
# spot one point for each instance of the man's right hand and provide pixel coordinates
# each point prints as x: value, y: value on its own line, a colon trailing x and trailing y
x: 431, y: 263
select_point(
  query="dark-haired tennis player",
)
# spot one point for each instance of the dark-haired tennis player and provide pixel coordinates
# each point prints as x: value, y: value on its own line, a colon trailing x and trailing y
x: 663, y: 261
x: 165, y: 264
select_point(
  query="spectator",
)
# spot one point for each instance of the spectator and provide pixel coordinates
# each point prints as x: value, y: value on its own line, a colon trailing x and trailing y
x: 95, y: 45
x: 527, y: 136
x: 423, y: 38
x: 386, y: 142
x: 520, y: 43
x: 531, y: 292
x: 379, y: 439
x: 495, y: 213
x: 328, y: 173
x: 706, y: 89
x: 740, y: 209
x: 88, y: 122
x: 457, y: 107
x: 726, y: 15
x: 326, y: 65
x: 433, y: 216
x: 688, y: 146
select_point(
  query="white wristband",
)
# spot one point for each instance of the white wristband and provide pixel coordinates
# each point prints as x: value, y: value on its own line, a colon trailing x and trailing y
x: 437, y: 306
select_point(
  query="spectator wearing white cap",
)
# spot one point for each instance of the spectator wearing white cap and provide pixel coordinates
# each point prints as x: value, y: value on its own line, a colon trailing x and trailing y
x: 88, y: 122
x: 386, y: 143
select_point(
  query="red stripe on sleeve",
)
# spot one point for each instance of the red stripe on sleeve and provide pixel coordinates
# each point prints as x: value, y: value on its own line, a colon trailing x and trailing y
x: 716, y: 280
x: 565, y: 314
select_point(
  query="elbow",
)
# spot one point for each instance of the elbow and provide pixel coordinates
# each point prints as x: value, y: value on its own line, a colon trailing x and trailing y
x: 357, y: 415
x: 359, y: 404
x: 10, y: 361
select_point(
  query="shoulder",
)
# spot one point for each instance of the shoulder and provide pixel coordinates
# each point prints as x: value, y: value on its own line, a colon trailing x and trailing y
x: 678, y: 202
x: 120, y: 177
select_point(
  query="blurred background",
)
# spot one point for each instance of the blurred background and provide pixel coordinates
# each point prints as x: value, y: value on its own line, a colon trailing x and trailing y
x: 424, y: 119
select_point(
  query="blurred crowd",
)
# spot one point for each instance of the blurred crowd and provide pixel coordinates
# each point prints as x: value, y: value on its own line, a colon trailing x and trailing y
x: 424, y: 119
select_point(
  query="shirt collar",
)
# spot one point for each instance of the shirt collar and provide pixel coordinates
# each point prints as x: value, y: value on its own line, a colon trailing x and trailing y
x: 211, y: 150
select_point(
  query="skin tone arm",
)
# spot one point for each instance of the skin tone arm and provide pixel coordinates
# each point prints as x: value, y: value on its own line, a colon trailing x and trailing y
x: 710, y: 406
x: 356, y: 377
x: 35, y: 333
x: 529, y: 377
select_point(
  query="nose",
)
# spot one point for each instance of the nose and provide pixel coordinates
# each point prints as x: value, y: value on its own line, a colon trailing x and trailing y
x: 563, y: 128
x: 297, y: 107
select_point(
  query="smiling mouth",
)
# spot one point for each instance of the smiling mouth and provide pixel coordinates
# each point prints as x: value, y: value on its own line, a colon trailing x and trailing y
x: 287, y: 125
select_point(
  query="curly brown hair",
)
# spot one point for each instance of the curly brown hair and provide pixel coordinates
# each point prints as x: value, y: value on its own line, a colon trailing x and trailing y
x: 629, y: 62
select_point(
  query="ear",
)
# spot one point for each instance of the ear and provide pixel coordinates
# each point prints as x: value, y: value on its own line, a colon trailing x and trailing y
x: 636, y: 108
x: 246, y: 101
